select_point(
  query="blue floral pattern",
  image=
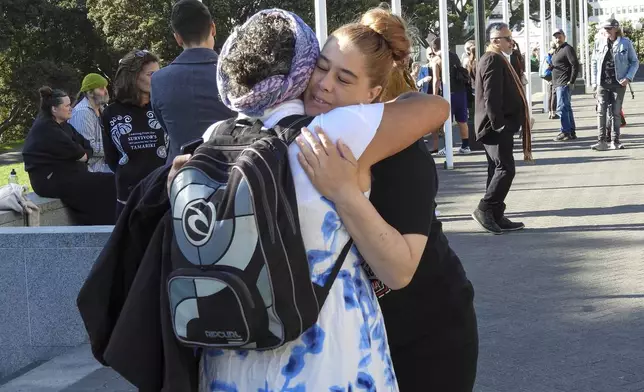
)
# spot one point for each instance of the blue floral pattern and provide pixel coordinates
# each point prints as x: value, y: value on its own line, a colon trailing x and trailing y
x: 345, y: 351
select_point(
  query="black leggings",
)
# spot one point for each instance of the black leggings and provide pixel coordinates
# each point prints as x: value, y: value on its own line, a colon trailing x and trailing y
x: 90, y: 196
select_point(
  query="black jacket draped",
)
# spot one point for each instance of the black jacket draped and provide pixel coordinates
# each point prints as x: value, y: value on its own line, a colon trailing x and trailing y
x: 124, y: 303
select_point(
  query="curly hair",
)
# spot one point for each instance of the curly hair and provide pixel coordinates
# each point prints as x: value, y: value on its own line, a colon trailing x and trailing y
x: 261, y: 50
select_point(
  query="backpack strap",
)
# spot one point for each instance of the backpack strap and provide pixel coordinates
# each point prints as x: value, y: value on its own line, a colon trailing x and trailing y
x: 323, y: 292
x: 290, y: 127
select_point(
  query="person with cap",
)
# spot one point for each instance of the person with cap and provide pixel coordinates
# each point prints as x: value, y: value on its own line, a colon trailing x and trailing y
x: 86, y: 118
x: 613, y: 66
x: 565, y: 67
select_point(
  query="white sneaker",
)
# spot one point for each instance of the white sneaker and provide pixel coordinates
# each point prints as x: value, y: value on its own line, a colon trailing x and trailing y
x: 600, y: 146
x: 441, y: 153
x: 464, y: 151
x: 616, y: 146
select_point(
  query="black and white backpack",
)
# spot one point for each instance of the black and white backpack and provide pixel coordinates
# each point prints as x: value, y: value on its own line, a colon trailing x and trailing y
x: 241, y: 277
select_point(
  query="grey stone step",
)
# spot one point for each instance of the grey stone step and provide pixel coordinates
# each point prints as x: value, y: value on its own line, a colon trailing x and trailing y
x: 74, y: 371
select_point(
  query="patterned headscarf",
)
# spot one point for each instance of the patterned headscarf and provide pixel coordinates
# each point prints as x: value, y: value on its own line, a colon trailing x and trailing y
x: 278, y: 88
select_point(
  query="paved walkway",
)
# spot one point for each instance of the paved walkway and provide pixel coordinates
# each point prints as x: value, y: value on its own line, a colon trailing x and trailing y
x: 9, y: 158
x: 561, y: 304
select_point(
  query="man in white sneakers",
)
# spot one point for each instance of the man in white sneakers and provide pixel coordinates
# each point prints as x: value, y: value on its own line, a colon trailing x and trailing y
x: 613, y: 66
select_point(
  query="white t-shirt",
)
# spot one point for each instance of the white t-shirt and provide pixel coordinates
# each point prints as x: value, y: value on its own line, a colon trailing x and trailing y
x: 347, y: 348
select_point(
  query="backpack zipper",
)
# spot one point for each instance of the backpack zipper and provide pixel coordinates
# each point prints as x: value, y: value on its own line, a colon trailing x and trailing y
x: 258, y: 174
x: 289, y: 214
x: 279, y: 190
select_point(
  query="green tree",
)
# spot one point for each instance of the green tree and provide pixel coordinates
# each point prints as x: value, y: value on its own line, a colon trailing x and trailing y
x: 43, y: 42
x: 56, y: 42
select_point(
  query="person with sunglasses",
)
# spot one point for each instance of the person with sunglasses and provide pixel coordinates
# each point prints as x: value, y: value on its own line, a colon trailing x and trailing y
x: 134, y: 142
x: 500, y: 111
x: 613, y: 67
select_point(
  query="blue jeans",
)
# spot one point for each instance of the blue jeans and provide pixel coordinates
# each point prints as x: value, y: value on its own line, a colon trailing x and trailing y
x: 564, y: 109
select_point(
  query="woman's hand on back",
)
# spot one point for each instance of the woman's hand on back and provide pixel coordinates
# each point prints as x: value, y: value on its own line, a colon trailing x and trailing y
x: 332, y: 169
x: 177, y: 164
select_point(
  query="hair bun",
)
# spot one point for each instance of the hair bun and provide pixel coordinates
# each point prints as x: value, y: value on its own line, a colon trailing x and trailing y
x: 393, y: 29
x: 45, y: 91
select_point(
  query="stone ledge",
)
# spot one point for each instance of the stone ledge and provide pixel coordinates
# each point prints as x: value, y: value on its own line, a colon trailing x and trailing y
x: 52, y: 213
x: 41, y: 272
x: 11, y: 219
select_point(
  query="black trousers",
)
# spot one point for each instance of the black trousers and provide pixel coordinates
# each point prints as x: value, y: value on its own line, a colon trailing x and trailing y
x: 609, y: 98
x: 90, y: 196
x: 444, y: 360
x: 501, y: 169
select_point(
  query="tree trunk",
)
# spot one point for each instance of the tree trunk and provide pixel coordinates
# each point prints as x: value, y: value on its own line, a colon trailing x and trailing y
x: 14, y: 115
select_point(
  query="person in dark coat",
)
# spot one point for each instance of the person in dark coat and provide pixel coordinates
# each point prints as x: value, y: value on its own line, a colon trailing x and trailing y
x: 56, y: 156
x: 124, y: 303
x: 134, y: 142
x: 501, y: 110
x: 185, y: 98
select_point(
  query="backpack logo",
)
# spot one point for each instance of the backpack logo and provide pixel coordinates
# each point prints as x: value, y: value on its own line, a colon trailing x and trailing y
x: 230, y: 335
x: 199, y: 221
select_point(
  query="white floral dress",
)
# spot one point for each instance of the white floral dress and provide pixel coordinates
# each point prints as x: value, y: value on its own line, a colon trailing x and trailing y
x: 347, y: 349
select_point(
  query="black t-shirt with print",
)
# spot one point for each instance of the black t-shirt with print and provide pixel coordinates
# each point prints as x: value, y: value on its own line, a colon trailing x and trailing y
x: 404, y: 191
x: 134, y: 144
x: 609, y: 78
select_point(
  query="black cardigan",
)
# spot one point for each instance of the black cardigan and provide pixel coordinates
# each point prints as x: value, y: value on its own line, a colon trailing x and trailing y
x: 54, y: 146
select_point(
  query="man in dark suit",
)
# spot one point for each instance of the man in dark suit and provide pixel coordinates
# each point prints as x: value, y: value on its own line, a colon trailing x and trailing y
x: 184, y: 94
x: 500, y: 111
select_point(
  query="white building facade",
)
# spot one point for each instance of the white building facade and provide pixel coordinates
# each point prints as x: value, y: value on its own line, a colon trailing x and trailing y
x: 621, y: 10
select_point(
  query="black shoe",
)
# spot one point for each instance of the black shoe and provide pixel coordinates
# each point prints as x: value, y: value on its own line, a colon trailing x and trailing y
x: 486, y: 220
x: 562, y: 137
x: 556, y: 117
x: 507, y: 225
x: 573, y: 135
